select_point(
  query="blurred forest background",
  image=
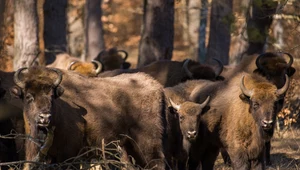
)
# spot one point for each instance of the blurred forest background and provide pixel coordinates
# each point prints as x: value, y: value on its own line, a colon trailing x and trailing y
x: 203, y: 29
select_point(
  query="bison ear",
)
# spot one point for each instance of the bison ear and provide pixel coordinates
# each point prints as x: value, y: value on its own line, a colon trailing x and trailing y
x: 58, y: 91
x: 291, y: 71
x: 16, y: 92
x: 245, y: 98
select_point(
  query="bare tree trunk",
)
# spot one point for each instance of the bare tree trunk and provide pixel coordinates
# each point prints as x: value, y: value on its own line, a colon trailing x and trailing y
x: 26, y: 43
x: 194, y: 7
x: 158, y: 31
x: 55, y: 28
x: 259, y: 21
x: 93, y: 31
x: 202, y: 31
x: 219, y: 36
x: 2, y: 10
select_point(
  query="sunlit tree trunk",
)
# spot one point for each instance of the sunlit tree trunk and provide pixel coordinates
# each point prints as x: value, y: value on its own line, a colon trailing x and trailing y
x: 219, y: 36
x: 55, y: 28
x: 158, y: 31
x: 259, y: 20
x: 26, y: 43
x: 93, y: 29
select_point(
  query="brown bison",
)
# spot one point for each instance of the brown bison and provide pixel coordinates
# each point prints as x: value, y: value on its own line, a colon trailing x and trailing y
x: 239, y: 120
x: 129, y: 108
x: 90, y: 69
x: 270, y: 65
x: 170, y: 73
x: 113, y: 59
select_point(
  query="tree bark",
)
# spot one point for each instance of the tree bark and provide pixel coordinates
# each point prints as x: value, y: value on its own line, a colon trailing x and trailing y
x: 219, y: 35
x: 26, y: 43
x: 259, y: 21
x: 202, y: 31
x: 94, y: 30
x: 55, y: 28
x: 194, y: 7
x: 2, y: 10
x: 158, y: 31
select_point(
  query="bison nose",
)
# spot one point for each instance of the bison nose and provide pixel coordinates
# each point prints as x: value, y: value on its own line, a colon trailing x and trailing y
x: 44, y: 118
x: 267, y: 123
x: 192, y: 134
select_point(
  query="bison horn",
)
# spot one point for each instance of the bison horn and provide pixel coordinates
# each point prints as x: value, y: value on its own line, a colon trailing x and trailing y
x: 283, y: 89
x: 125, y: 52
x: 202, y: 105
x: 174, y: 105
x: 244, y: 89
x: 98, y: 65
x: 186, y: 69
x: 59, y: 76
x: 257, y: 62
x: 70, y: 66
x: 291, y: 59
x: 16, y: 77
x: 219, y: 71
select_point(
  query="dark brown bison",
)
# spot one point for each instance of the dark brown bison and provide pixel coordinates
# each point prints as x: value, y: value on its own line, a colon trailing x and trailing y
x: 129, y: 108
x: 270, y: 65
x: 239, y: 120
x: 113, y: 59
x: 170, y: 73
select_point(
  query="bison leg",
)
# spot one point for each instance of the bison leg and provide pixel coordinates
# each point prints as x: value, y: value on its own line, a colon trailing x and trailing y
x: 267, y: 153
x: 258, y: 164
x: 239, y: 161
x: 209, y: 158
x: 225, y: 157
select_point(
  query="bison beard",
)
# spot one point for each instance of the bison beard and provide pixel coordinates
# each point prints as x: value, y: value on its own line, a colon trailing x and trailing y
x: 129, y: 108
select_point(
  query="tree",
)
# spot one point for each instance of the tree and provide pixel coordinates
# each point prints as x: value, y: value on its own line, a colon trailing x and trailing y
x: 26, y: 43
x: 2, y: 9
x: 202, y: 31
x: 55, y: 28
x: 93, y: 29
x: 158, y: 31
x: 259, y: 20
x: 219, y: 35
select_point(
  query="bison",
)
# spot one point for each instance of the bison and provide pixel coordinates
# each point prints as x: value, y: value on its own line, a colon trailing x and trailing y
x: 240, y: 119
x: 90, y: 69
x: 170, y: 73
x: 64, y: 105
x: 270, y: 65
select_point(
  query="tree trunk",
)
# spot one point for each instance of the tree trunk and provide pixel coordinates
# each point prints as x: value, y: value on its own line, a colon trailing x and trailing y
x: 55, y: 28
x: 219, y: 35
x: 26, y: 43
x: 202, y: 31
x: 259, y: 21
x: 2, y: 10
x: 158, y: 31
x: 93, y: 31
x: 194, y: 7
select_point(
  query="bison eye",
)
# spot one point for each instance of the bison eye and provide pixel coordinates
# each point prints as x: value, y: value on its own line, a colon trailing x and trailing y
x: 29, y: 97
x: 255, y: 106
x: 181, y: 117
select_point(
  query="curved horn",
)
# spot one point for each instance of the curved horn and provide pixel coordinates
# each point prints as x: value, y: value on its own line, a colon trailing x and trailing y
x: 16, y: 77
x: 71, y: 64
x: 59, y: 76
x: 174, y: 105
x: 202, y: 105
x: 257, y: 62
x: 219, y: 71
x: 186, y: 69
x: 291, y: 59
x: 244, y: 89
x: 126, y: 54
x: 283, y: 89
x: 98, y: 65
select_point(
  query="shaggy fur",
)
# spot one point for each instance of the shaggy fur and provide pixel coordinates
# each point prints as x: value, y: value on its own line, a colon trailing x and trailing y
x: 129, y: 108
x: 170, y: 73
x: 84, y: 68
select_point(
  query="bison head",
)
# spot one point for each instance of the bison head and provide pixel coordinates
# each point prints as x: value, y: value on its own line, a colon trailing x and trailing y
x: 195, y: 70
x: 189, y: 117
x: 274, y: 67
x: 263, y: 98
x: 85, y: 68
x: 113, y: 59
x: 37, y: 89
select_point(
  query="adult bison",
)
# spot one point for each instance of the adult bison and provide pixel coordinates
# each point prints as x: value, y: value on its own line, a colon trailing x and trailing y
x: 242, y: 112
x: 270, y: 65
x: 170, y: 73
x: 129, y: 108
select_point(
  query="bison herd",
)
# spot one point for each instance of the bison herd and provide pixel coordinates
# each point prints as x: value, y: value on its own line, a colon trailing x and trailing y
x: 166, y: 115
